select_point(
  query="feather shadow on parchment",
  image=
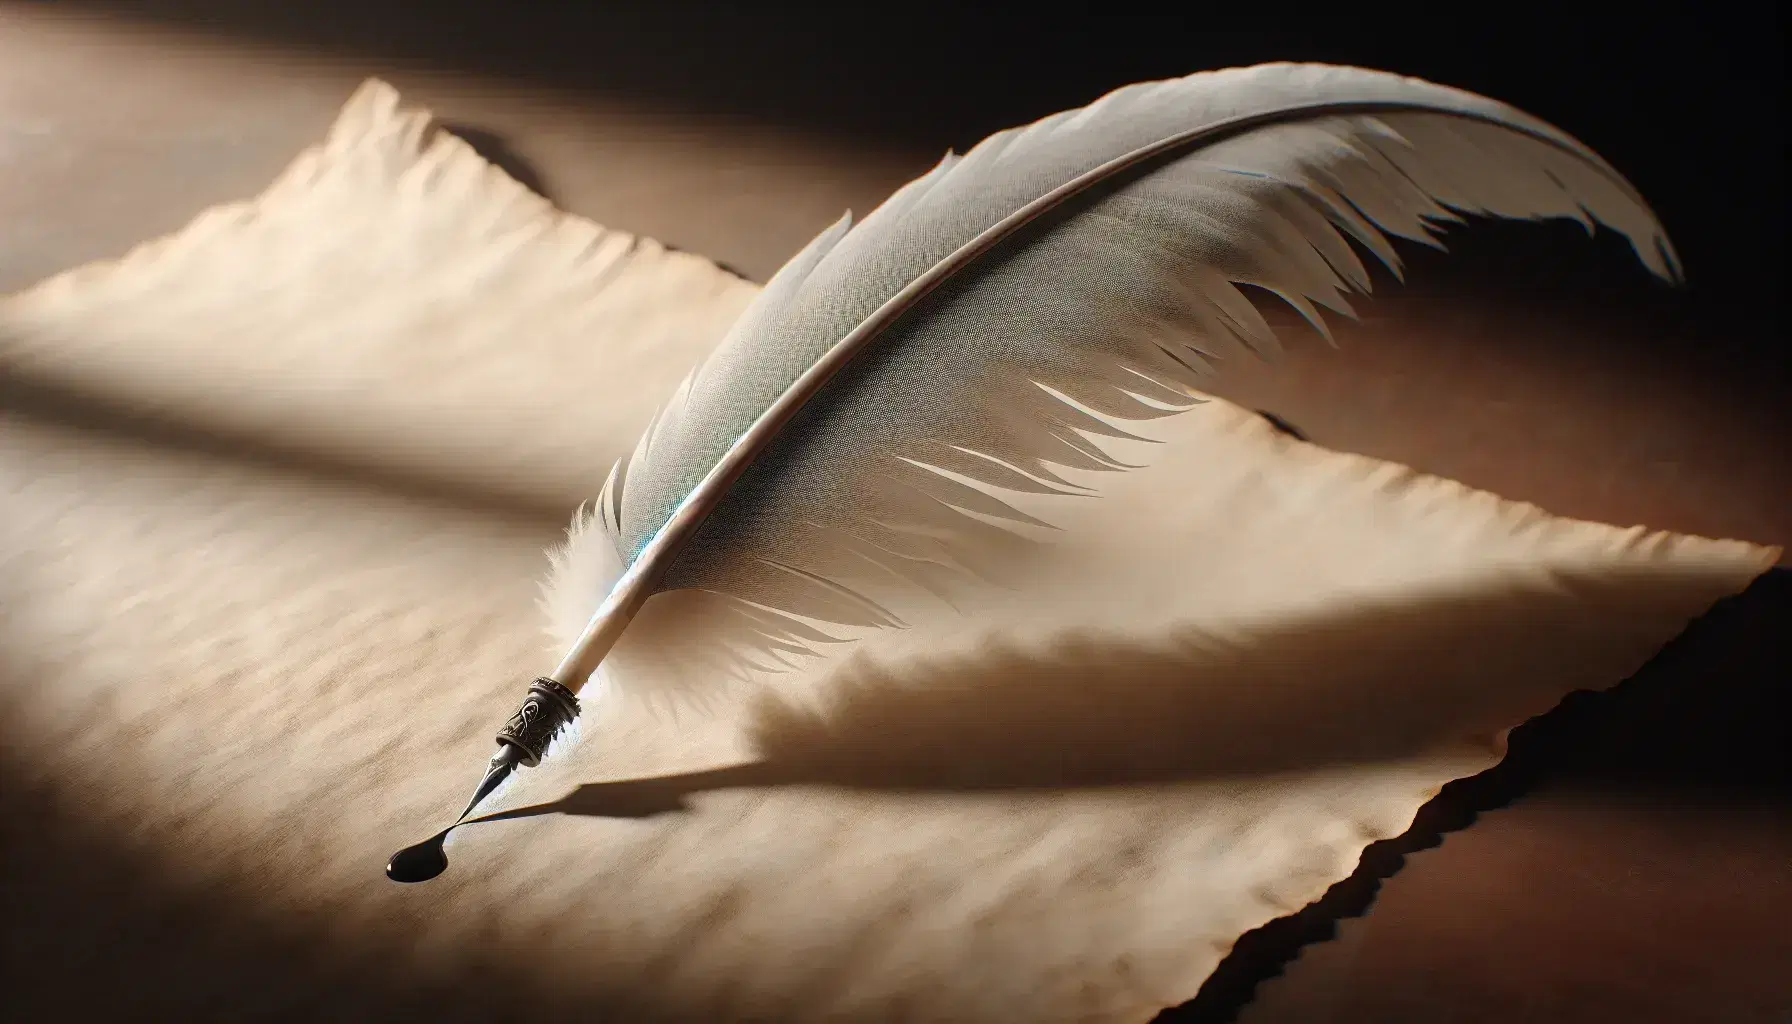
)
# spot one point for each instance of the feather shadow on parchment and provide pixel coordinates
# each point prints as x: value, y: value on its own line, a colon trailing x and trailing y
x: 1368, y: 683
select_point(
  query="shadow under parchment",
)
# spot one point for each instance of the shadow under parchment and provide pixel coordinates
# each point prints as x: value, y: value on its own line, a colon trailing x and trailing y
x: 495, y: 149
x: 1701, y: 725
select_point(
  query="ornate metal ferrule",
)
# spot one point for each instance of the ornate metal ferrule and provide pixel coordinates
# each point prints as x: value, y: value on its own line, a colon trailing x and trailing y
x: 549, y: 708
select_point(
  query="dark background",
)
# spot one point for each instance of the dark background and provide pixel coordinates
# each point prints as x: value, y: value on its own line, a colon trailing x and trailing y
x: 1689, y: 103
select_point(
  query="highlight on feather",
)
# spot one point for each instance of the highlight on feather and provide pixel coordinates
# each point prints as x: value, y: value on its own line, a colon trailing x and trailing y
x: 857, y: 437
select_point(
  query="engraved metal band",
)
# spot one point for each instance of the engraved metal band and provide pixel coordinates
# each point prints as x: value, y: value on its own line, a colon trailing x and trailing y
x: 547, y: 709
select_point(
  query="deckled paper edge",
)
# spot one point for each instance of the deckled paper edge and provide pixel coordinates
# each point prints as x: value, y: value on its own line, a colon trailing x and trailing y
x: 1518, y: 515
x: 374, y: 120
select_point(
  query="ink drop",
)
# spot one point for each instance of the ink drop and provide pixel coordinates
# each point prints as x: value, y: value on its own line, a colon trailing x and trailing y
x: 422, y: 862
x: 427, y: 859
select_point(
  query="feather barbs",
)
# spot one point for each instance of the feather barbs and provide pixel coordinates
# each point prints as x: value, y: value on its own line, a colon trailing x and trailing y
x: 995, y: 322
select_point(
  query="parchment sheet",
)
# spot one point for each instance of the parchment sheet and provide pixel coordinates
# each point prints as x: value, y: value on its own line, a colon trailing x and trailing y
x: 270, y: 637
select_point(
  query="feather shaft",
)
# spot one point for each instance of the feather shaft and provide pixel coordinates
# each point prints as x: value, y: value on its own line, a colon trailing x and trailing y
x: 638, y: 582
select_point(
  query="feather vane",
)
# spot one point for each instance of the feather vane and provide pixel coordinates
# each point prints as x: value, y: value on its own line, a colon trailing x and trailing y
x: 997, y: 318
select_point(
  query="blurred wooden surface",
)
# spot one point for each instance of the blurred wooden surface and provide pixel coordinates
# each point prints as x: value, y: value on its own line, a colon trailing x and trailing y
x: 1633, y: 860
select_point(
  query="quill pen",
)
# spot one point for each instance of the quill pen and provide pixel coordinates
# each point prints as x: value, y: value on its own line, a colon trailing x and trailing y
x: 855, y: 432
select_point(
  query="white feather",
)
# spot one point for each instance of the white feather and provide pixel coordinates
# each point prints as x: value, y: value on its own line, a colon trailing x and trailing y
x: 892, y: 480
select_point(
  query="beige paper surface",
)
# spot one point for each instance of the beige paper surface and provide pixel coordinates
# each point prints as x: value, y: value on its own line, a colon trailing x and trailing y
x: 276, y: 642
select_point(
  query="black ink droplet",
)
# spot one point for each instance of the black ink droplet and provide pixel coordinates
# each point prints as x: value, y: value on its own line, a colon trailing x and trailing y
x: 419, y: 863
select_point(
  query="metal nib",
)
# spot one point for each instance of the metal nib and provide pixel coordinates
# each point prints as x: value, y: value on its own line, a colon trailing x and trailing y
x: 549, y: 708
x: 503, y: 763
